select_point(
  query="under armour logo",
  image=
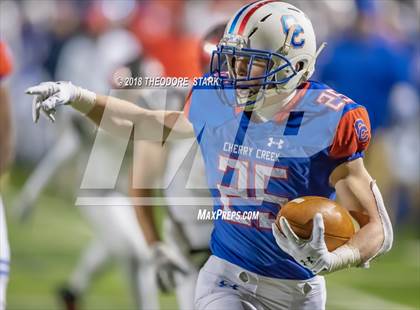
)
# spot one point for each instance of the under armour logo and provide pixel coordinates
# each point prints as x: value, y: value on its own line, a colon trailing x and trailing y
x: 308, y: 262
x: 225, y: 283
x: 271, y: 142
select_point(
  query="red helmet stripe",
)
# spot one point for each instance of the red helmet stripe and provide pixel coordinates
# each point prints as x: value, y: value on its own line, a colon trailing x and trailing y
x: 249, y: 14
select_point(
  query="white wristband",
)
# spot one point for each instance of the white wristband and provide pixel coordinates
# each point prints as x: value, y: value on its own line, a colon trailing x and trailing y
x: 84, y: 100
x: 343, y: 257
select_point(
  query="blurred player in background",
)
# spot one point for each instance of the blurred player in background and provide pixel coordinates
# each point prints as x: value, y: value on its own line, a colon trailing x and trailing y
x: 254, y: 265
x: 117, y: 235
x: 356, y: 58
x: 5, y: 158
x: 182, y: 231
x: 402, y: 145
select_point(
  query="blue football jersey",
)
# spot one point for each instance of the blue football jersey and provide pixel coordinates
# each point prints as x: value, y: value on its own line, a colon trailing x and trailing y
x: 260, y: 166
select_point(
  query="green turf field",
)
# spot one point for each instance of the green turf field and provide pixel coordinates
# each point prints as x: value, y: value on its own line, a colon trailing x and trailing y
x: 46, y: 248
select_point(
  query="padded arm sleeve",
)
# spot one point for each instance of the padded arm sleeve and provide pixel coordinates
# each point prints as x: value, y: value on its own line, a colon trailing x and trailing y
x: 385, y: 221
x: 352, y: 136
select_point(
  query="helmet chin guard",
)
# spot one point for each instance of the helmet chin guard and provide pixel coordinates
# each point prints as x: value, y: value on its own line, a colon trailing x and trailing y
x: 270, y: 76
x: 254, y: 87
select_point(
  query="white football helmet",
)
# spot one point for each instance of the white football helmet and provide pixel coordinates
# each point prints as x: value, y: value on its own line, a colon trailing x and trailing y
x: 275, y: 33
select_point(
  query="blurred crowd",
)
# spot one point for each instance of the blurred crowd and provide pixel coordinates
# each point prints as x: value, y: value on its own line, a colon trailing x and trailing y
x: 372, y: 56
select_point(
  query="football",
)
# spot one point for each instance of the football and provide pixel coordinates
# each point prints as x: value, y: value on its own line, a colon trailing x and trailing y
x: 339, y: 227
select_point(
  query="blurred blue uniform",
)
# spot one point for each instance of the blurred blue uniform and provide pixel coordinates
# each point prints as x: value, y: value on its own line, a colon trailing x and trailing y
x: 259, y: 166
x: 366, y: 68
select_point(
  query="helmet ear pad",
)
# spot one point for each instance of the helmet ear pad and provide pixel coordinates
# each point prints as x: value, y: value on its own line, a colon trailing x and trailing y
x: 301, y: 65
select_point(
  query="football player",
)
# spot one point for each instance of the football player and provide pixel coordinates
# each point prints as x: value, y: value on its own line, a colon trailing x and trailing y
x: 116, y: 234
x: 267, y: 134
x: 5, y: 157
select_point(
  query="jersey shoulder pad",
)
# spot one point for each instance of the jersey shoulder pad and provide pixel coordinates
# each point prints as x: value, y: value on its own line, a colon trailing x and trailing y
x: 353, y: 133
x: 319, y: 96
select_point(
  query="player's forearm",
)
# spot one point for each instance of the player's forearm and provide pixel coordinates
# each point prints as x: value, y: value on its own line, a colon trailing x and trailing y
x: 352, y: 194
x: 145, y: 216
x: 355, y: 192
x: 5, y: 130
x: 368, y: 240
x: 114, y: 108
x: 117, y: 116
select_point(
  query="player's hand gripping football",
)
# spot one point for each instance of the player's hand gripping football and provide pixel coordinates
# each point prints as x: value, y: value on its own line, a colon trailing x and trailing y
x: 167, y: 264
x: 50, y: 95
x: 313, y: 253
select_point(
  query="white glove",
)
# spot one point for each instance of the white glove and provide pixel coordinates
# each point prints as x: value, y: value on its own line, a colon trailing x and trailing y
x: 313, y: 254
x: 50, y: 95
x: 168, y: 262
